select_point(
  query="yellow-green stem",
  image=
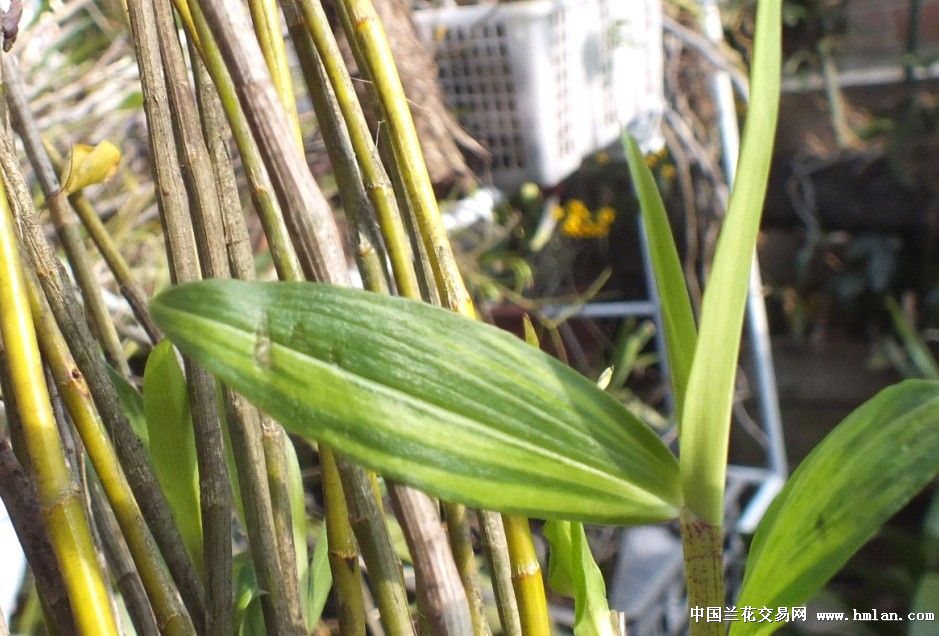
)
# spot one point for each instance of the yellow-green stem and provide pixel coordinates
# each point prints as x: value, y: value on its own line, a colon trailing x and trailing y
x: 60, y: 498
x: 364, y: 27
x: 461, y: 545
x: 18, y: 494
x: 343, y: 553
x: 375, y: 179
x: 370, y: 45
x: 120, y: 562
x: 266, y: 205
x: 526, y: 577
x: 167, y: 605
x: 266, y: 20
x: 496, y: 549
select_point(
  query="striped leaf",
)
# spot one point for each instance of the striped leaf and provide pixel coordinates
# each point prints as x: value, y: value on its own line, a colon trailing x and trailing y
x: 452, y: 406
x: 868, y: 468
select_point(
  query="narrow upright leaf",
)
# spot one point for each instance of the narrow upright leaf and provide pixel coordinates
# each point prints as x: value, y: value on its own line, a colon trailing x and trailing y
x: 172, y: 444
x: 705, y: 422
x: 297, y: 504
x: 317, y: 582
x: 573, y: 572
x: 677, y: 316
x: 450, y: 405
x: 248, y: 616
x: 918, y: 351
x: 132, y: 405
x: 855, y: 480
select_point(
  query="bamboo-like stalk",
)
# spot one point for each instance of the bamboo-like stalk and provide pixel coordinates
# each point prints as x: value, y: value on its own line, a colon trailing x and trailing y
x: 126, y: 280
x: 266, y: 205
x: 352, y: 189
x: 241, y: 261
x: 443, y: 606
x: 168, y: 607
x: 14, y: 429
x: 266, y: 21
x: 526, y: 570
x: 121, y: 563
x: 214, y: 486
x: 344, y: 557
x: 63, y: 218
x: 244, y: 420
x: 283, y: 613
x: 74, y: 453
x: 68, y: 315
x: 526, y: 577
x: 373, y: 175
x: 342, y: 550
x: 321, y: 258
x: 442, y: 601
x: 373, y: 53
x: 365, y: 29
x: 293, y: 558
x: 216, y: 132
x: 198, y: 177
x: 422, y: 265
x: 21, y: 501
x: 384, y: 567
x: 464, y: 558
x: 441, y: 597
x: 308, y: 216
x: 500, y: 570
x: 59, y: 496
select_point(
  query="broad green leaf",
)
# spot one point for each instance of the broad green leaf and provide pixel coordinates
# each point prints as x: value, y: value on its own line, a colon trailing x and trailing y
x: 705, y: 422
x: 88, y: 165
x: 132, y: 405
x: 297, y: 503
x: 572, y: 572
x: 856, y: 479
x: 677, y: 316
x: 172, y: 444
x: 317, y: 583
x: 450, y: 405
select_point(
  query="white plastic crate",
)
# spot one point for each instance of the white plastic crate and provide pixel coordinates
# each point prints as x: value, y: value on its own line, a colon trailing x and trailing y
x: 629, y: 82
x: 543, y: 83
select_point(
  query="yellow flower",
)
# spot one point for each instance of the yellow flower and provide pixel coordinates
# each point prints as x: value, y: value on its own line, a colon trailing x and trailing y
x: 576, y: 207
x: 606, y: 215
x: 580, y: 222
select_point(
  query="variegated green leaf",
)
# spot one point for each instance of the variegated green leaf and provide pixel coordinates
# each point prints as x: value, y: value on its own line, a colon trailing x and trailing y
x: 852, y: 483
x: 450, y: 405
